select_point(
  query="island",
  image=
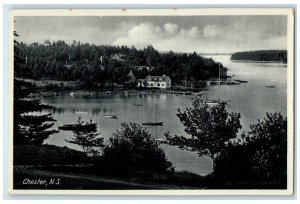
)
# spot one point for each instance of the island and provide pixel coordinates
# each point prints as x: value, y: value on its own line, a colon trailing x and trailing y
x: 261, y: 56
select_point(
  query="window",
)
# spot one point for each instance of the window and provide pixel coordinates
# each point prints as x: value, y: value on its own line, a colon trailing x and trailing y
x: 151, y: 84
x: 158, y: 84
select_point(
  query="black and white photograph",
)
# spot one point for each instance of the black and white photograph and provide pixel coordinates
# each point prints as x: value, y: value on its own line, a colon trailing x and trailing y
x: 152, y: 101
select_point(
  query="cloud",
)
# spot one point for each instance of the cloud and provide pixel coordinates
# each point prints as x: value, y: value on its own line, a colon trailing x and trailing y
x: 211, y: 30
x: 165, y: 38
x: 209, y: 38
x: 140, y: 36
x: 184, y: 34
x: 170, y: 28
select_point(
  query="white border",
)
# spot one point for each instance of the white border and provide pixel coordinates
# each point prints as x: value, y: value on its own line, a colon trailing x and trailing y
x: 162, y: 12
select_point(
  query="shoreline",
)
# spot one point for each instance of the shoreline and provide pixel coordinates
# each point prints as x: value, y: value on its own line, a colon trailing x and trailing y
x: 58, y: 88
x: 115, y: 92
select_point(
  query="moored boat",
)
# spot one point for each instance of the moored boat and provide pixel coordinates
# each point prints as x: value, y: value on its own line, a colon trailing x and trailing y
x: 153, y: 123
x: 114, y: 116
x: 156, y: 123
x: 217, y: 102
x: 78, y: 127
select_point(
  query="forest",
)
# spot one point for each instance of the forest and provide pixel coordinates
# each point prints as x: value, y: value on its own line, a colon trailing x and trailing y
x: 261, y: 55
x: 104, y: 64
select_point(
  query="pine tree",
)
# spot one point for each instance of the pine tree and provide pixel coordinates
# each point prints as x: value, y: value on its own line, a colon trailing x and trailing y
x: 87, y: 140
x: 30, y: 126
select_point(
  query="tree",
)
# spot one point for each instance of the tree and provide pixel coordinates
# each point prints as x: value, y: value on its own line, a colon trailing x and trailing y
x: 210, y: 129
x: 30, y: 125
x: 131, y: 150
x: 260, y: 157
x: 269, y: 138
x: 18, y: 59
x: 87, y: 140
x: 49, y: 60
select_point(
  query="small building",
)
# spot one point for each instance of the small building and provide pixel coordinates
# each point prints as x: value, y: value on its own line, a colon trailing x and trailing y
x: 162, y: 82
x: 118, y: 57
x: 141, y: 68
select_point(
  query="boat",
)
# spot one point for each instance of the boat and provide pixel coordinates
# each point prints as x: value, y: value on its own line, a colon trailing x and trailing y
x: 79, y: 126
x: 241, y: 81
x: 153, y: 124
x: 217, y: 102
x: 198, y: 93
x: 156, y: 123
x: 114, y: 116
x: 270, y: 86
x: 81, y: 112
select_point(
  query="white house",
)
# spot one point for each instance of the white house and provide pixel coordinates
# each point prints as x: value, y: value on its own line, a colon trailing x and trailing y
x: 163, y: 82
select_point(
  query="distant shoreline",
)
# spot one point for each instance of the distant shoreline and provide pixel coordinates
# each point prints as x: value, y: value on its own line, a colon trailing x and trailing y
x: 279, y: 56
x: 257, y: 61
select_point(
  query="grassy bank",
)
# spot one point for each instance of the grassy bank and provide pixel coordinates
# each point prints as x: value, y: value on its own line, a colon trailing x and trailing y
x: 78, y: 178
x: 74, y: 170
x: 46, y: 155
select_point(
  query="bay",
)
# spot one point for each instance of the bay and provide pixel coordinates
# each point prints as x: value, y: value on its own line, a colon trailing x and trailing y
x: 252, y: 100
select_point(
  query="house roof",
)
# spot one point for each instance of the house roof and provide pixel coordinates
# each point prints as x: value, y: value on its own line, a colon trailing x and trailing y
x: 68, y: 66
x: 153, y: 78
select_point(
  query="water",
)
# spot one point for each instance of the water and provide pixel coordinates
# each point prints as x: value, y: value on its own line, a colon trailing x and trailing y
x: 251, y: 99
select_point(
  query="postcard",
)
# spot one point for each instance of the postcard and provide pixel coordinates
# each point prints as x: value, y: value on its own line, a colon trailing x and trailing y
x: 151, y: 101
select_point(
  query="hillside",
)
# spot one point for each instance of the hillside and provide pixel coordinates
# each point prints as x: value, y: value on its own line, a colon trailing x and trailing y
x: 104, y: 64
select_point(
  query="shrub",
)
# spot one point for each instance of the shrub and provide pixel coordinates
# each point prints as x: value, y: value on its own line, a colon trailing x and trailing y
x: 132, y: 150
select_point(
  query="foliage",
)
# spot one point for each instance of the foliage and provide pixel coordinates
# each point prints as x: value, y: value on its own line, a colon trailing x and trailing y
x: 97, y: 65
x: 260, y: 157
x: 87, y: 140
x: 29, y: 128
x: 261, y: 55
x: 132, y: 150
x: 269, y: 137
x: 210, y: 128
x: 30, y: 125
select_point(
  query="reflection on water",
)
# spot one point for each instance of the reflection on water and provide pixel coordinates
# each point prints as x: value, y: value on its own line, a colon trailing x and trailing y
x: 251, y: 99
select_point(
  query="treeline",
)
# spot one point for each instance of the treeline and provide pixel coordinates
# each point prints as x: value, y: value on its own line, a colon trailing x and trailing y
x: 261, y: 55
x: 107, y: 64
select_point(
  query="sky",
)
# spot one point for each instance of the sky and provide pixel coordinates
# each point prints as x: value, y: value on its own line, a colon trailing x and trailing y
x: 202, y: 34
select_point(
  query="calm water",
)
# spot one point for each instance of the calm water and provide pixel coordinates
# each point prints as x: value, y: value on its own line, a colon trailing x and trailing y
x: 252, y: 100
